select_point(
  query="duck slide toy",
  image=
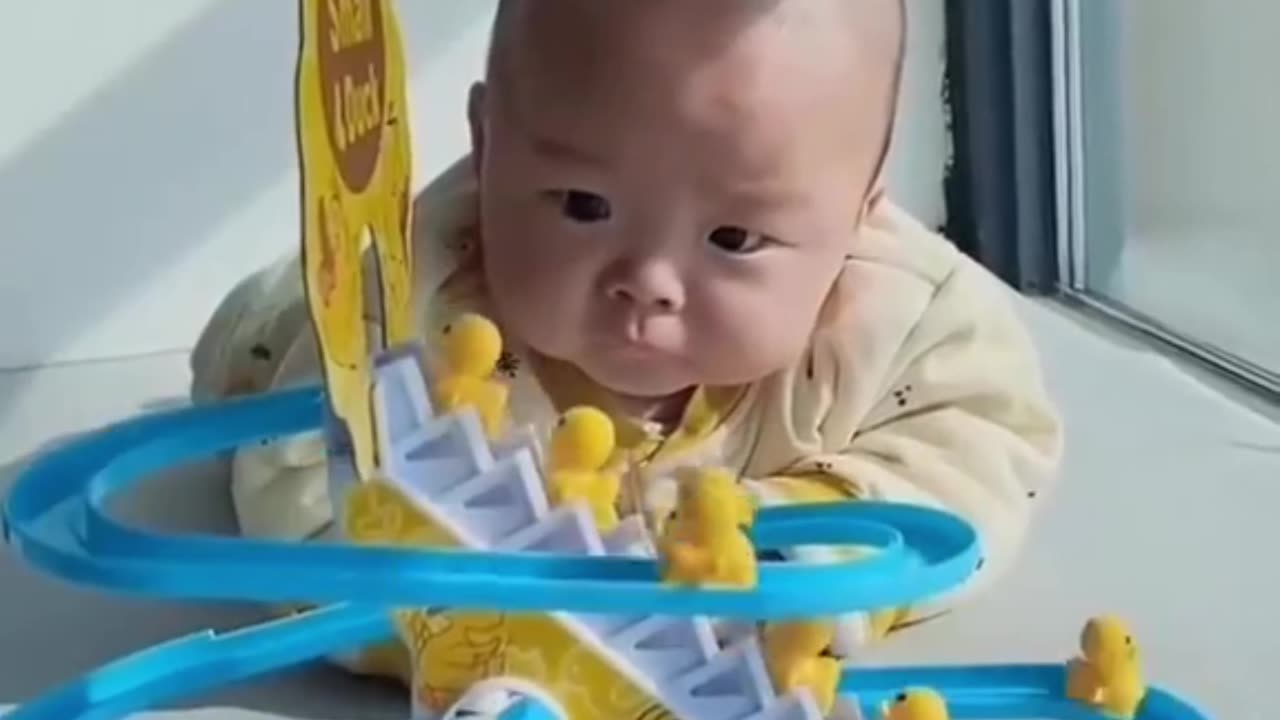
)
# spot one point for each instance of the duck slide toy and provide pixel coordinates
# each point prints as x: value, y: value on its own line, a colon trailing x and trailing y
x: 517, y: 588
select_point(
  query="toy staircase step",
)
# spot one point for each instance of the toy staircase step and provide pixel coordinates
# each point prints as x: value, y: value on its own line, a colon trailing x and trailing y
x: 608, y: 625
x: 796, y: 706
x: 663, y: 648
x: 495, y: 504
x: 734, y: 685
x: 436, y: 459
x: 731, y: 632
x: 401, y: 407
x: 523, y: 437
x: 430, y: 453
x: 630, y: 538
x: 568, y: 530
x: 400, y: 398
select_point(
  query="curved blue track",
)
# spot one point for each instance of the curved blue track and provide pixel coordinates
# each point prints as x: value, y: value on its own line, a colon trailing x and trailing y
x: 1000, y: 691
x: 56, y: 518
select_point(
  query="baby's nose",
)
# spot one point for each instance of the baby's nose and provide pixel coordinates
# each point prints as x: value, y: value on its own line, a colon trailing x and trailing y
x: 653, y: 287
x: 656, y: 301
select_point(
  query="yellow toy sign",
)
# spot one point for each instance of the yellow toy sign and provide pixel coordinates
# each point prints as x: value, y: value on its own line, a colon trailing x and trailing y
x: 356, y: 161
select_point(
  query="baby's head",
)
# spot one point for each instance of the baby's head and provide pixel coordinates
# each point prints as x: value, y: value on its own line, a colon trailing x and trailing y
x: 669, y: 188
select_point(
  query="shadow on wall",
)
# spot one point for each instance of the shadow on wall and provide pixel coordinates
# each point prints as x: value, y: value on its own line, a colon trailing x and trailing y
x: 140, y: 173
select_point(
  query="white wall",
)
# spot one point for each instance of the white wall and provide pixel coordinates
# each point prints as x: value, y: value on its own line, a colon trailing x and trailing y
x: 922, y: 144
x: 155, y: 157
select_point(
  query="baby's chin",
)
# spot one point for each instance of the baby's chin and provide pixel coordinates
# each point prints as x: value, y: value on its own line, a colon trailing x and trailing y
x: 661, y: 378
x: 640, y: 379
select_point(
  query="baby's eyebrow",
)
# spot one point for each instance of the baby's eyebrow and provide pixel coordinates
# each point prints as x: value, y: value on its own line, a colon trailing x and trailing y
x: 562, y: 151
x: 762, y: 195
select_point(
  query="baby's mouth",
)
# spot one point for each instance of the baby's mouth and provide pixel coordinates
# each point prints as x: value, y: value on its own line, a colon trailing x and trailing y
x: 640, y: 348
x: 637, y: 338
x: 640, y: 351
x: 629, y: 343
x: 645, y: 334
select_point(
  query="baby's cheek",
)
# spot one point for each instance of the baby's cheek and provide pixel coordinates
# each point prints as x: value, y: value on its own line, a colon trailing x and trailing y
x: 541, y: 276
x: 540, y: 297
x: 518, y: 287
x: 747, y: 333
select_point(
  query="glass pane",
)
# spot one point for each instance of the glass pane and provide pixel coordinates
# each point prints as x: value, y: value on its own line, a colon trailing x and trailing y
x: 1181, y: 143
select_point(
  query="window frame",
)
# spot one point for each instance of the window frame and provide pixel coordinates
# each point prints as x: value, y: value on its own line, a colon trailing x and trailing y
x: 1031, y: 97
x: 1000, y: 186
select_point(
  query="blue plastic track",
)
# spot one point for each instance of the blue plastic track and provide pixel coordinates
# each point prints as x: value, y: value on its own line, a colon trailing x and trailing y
x: 206, y: 661
x: 993, y: 692
x: 56, y: 518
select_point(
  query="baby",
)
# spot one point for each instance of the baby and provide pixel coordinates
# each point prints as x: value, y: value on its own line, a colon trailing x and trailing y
x: 674, y: 210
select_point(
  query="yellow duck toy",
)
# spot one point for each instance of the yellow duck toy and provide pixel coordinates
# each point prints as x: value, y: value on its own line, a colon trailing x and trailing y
x: 1108, y: 675
x: 469, y: 350
x: 581, y: 445
x: 703, y: 541
x: 796, y: 655
x: 916, y: 704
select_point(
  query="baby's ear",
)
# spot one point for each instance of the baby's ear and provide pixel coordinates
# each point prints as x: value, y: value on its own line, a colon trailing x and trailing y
x: 477, y: 110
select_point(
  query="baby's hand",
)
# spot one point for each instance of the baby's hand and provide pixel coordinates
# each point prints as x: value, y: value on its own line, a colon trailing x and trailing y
x: 659, y: 500
x: 279, y: 487
x: 302, y: 450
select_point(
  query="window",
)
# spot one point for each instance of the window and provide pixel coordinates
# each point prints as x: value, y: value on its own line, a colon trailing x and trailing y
x: 1170, y: 134
x: 1127, y: 155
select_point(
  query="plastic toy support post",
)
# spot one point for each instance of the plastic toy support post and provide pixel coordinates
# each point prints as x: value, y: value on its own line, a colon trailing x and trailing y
x: 356, y: 161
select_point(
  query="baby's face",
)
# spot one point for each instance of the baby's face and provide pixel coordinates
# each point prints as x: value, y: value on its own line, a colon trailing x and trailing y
x: 678, y: 216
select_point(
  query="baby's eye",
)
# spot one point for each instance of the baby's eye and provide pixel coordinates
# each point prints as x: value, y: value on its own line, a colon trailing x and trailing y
x: 584, y: 207
x: 737, y: 240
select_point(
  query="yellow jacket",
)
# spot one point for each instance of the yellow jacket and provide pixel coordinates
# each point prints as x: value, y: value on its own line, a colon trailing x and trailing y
x: 922, y: 387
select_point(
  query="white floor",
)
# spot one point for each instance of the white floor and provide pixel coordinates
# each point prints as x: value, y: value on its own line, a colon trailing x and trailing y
x: 1165, y: 514
x: 1218, y: 284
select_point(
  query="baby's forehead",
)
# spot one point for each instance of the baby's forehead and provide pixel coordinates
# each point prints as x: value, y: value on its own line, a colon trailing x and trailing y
x: 736, y: 71
x: 584, y: 43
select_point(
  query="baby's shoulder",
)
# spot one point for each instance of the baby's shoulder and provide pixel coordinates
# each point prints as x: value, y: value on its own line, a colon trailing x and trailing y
x: 898, y: 262
x: 892, y: 242
x: 907, y: 289
x: 445, y: 238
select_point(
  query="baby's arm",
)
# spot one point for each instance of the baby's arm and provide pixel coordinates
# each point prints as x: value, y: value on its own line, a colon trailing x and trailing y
x: 962, y: 423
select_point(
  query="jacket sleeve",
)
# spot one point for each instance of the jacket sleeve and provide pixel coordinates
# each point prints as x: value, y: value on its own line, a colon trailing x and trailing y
x: 963, y: 423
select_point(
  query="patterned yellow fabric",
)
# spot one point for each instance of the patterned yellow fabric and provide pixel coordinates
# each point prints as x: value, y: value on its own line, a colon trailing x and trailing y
x: 812, y: 487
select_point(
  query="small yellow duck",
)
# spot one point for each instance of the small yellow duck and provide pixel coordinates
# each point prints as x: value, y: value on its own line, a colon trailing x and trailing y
x: 581, y: 445
x: 469, y: 350
x: 1108, y: 675
x: 916, y: 704
x: 796, y: 654
x: 703, y: 541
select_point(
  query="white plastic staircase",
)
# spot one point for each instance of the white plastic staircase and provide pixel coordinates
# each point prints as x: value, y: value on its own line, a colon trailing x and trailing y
x: 494, y: 499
